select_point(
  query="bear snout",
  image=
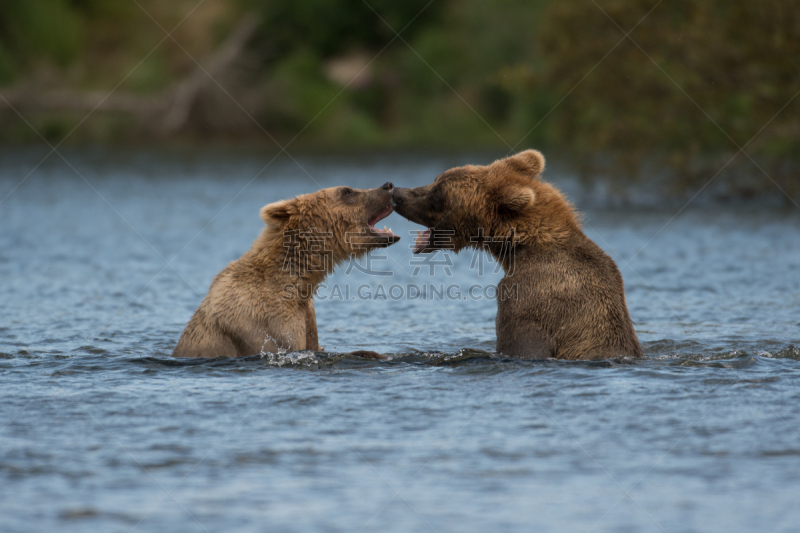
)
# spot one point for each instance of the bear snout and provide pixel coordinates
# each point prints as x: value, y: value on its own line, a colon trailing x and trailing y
x: 406, y: 203
x: 399, y: 196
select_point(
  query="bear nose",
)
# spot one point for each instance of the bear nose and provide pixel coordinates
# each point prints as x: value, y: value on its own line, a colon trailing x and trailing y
x: 388, y: 186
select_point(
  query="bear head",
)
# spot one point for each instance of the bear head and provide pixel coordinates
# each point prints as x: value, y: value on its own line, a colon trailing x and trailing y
x: 493, y: 206
x: 323, y: 228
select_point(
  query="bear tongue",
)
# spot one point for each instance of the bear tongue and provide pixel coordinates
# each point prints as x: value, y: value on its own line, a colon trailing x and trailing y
x: 422, y: 240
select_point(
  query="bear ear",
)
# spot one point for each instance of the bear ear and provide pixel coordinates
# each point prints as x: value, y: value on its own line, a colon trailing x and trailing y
x: 513, y: 199
x: 278, y: 212
x: 530, y: 162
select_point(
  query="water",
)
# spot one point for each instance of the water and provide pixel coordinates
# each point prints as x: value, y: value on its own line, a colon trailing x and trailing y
x: 100, y: 429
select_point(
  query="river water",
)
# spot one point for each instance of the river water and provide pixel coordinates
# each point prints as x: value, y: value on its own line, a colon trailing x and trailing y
x: 104, y: 259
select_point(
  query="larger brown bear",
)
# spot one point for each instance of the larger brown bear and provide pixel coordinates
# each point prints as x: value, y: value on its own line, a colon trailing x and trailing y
x: 263, y: 301
x: 562, y: 296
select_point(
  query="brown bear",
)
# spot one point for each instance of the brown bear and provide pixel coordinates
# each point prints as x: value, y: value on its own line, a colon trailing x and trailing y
x: 561, y: 296
x: 263, y: 301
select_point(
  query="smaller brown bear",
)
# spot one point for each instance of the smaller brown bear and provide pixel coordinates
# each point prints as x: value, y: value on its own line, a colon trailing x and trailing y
x: 263, y: 301
x: 561, y: 296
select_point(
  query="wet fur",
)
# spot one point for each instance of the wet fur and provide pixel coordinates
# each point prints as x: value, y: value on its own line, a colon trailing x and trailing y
x: 570, y: 299
x: 262, y: 303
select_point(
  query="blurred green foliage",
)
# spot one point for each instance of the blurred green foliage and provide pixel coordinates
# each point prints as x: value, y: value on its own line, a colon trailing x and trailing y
x: 330, y: 27
x: 696, y: 81
x: 49, y: 29
x: 693, y: 81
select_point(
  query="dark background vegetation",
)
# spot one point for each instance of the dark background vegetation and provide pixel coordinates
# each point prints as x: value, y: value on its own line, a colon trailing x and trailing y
x: 696, y: 81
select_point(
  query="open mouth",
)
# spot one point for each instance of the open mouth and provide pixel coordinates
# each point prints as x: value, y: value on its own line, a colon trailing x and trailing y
x: 422, y: 240
x: 385, y: 212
